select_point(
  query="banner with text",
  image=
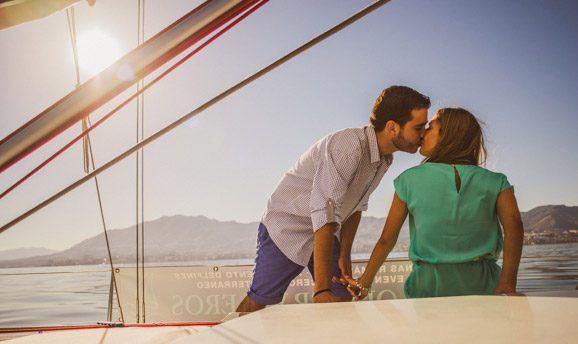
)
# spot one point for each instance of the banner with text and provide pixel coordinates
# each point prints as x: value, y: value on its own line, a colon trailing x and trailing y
x: 205, y: 293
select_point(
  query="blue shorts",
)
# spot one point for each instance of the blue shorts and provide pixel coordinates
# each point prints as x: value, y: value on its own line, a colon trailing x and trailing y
x: 274, y: 271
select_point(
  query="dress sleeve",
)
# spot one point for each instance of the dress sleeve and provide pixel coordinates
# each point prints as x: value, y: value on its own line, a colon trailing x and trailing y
x: 400, y: 185
x: 504, y: 183
x: 335, y: 169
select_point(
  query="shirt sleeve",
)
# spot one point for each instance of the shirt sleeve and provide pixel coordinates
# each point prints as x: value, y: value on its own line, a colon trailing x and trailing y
x: 335, y: 168
x: 400, y: 186
x: 362, y: 207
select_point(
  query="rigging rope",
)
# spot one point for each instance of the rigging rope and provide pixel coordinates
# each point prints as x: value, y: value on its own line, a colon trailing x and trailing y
x: 121, y: 105
x: 140, y: 168
x: 140, y: 86
x: 102, y: 326
x: 105, y: 230
x: 201, y: 108
x: 72, y: 31
x: 88, y: 155
x: 71, y: 18
x: 217, y: 23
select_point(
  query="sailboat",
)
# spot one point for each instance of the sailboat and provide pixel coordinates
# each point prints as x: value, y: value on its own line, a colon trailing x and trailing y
x: 531, y: 318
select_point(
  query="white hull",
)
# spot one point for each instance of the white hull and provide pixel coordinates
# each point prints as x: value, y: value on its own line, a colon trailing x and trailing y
x: 466, y: 319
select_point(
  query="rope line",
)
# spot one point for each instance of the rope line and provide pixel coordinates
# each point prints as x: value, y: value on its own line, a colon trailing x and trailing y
x: 103, y: 326
x: 88, y: 156
x: 140, y: 85
x: 120, y: 106
x: 52, y: 273
x: 71, y: 19
x: 105, y: 229
x: 101, y: 99
x: 139, y: 169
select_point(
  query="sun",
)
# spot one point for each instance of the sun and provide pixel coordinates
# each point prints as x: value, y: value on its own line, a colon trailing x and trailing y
x: 96, y: 51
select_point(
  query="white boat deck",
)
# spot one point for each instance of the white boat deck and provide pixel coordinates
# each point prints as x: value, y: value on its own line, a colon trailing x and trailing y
x: 157, y: 335
x: 471, y: 319
x: 468, y: 319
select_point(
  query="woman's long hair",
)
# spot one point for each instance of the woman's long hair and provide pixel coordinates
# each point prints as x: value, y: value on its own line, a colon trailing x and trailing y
x: 461, y: 139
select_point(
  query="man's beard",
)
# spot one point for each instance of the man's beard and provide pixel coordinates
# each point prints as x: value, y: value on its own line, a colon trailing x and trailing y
x: 400, y: 143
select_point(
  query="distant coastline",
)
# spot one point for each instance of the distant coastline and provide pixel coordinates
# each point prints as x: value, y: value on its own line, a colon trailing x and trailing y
x: 197, y: 238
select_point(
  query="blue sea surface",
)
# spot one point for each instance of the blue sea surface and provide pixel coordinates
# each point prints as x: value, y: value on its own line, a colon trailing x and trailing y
x: 78, y: 295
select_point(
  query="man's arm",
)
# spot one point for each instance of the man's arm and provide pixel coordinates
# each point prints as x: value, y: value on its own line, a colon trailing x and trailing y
x: 348, y: 231
x: 322, y: 253
x: 334, y: 171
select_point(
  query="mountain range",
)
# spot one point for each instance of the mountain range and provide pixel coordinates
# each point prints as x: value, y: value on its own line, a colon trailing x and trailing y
x: 25, y: 252
x: 198, y: 238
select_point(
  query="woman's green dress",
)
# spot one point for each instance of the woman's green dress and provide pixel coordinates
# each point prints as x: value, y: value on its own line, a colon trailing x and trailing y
x: 456, y: 237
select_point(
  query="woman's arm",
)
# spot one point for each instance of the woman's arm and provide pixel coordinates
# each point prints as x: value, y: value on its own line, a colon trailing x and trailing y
x: 395, y: 219
x: 388, y: 239
x: 509, y: 215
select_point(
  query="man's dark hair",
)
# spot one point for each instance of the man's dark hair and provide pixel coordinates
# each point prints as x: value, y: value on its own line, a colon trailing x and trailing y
x: 395, y: 104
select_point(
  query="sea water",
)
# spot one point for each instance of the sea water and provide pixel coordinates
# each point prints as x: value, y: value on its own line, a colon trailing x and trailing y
x: 77, y: 295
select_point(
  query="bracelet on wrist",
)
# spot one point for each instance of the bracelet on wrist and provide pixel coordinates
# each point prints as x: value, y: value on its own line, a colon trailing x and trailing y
x: 361, y: 286
x: 321, y: 291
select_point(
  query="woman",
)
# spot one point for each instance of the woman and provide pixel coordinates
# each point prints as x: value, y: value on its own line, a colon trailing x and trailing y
x: 455, y: 209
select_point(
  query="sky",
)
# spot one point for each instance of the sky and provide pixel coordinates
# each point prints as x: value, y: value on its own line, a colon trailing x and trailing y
x: 512, y: 64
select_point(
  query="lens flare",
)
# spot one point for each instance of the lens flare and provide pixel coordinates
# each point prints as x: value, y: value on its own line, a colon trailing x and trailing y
x: 96, y: 51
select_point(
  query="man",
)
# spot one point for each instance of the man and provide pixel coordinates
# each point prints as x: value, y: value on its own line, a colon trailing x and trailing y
x: 313, y: 214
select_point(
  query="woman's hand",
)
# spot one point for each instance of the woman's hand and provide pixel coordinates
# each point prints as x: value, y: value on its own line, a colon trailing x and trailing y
x: 352, y: 287
x: 507, y: 289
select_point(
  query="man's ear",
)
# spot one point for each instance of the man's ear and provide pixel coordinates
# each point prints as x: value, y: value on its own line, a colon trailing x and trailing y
x: 392, y: 128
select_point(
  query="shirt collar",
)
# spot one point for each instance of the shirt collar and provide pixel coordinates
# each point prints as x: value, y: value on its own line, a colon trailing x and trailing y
x: 374, y: 148
x: 372, y: 141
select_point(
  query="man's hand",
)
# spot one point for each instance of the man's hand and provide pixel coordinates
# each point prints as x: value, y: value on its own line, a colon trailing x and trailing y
x: 344, y: 264
x: 326, y: 297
